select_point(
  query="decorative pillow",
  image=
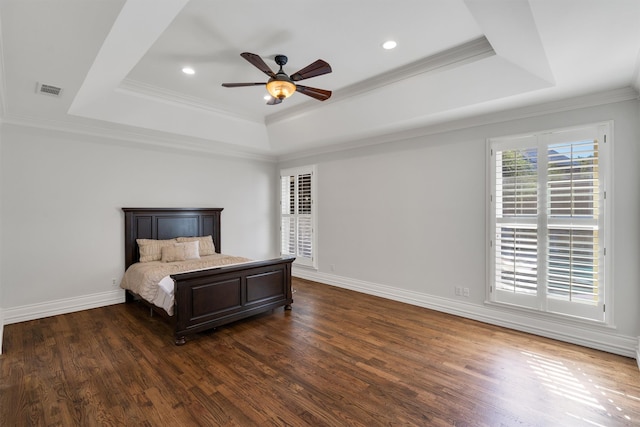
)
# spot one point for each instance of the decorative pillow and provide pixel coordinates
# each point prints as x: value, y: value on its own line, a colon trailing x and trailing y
x: 151, y: 250
x: 173, y: 253
x: 191, y: 249
x: 206, y: 244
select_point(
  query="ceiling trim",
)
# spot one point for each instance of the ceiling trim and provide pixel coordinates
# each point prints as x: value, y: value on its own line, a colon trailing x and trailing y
x: 141, y: 138
x: 146, y: 139
x: 635, y: 80
x: 585, y: 101
x: 457, y: 56
x: 138, y: 88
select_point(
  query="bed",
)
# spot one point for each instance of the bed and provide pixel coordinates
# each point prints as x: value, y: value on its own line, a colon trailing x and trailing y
x: 205, y: 299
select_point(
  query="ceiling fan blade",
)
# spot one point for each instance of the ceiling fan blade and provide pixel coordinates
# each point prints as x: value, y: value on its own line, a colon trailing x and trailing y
x: 319, y: 94
x: 242, y: 84
x: 274, y: 101
x: 257, y: 62
x: 318, y: 68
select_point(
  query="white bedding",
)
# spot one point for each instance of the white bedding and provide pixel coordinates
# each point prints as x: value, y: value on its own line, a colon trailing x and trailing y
x: 152, y: 281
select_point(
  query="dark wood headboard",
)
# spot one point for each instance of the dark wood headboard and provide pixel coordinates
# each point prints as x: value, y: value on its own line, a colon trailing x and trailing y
x: 167, y: 223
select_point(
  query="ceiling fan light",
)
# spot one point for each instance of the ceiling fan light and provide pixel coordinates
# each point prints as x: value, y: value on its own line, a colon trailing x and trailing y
x: 280, y: 88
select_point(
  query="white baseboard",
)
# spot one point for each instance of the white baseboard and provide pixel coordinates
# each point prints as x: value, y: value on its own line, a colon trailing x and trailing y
x: 593, y: 336
x: 61, y: 306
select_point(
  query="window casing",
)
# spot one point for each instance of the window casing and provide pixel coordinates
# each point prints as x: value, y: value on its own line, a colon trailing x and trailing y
x: 547, y: 221
x: 297, y: 213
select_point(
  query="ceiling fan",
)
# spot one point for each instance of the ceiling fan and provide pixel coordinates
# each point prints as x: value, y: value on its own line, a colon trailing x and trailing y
x: 280, y: 85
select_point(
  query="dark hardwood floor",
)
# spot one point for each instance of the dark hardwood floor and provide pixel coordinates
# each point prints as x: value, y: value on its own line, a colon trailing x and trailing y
x: 338, y: 359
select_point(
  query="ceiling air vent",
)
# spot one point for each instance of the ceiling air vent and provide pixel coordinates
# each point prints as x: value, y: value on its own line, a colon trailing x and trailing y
x: 48, y: 89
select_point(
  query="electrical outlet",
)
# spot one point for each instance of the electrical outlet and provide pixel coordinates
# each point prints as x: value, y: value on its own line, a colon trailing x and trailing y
x: 333, y: 267
x: 458, y: 291
x: 114, y: 282
x: 465, y: 292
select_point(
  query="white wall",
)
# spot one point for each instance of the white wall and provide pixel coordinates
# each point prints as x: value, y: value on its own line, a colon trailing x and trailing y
x: 407, y: 220
x: 1, y: 239
x: 404, y: 219
x: 61, y: 216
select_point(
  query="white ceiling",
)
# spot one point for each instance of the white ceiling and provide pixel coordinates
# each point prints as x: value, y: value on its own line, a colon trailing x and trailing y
x: 119, y: 64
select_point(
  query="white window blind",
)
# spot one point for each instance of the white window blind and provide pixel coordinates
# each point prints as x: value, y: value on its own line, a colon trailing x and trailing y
x: 547, y: 222
x: 297, y: 214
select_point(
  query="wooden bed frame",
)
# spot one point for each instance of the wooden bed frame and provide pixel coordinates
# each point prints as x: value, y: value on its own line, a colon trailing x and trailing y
x: 208, y: 298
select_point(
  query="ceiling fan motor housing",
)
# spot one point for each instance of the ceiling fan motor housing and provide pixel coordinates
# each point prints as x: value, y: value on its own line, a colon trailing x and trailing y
x: 281, y: 60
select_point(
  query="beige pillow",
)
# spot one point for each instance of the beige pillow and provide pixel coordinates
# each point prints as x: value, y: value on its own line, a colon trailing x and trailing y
x: 151, y: 250
x: 206, y: 244
x: 173, y: 253
x: 180, y: 251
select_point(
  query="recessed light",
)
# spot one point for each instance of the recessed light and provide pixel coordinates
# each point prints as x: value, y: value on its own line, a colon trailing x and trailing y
x: 188, y: 70
x: 389, y: 44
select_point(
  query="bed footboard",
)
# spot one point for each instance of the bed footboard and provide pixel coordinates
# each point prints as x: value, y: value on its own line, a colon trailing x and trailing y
x: 210, y: 298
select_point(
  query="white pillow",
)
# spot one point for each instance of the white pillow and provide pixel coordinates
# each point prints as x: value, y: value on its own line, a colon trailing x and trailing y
x: 191, y: 249
x: 206, y: 244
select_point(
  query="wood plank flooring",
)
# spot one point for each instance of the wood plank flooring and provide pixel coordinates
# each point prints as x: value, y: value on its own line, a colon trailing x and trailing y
x: 339, y: 358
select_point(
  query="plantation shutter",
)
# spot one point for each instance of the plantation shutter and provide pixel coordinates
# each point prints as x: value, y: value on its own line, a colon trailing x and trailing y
x: 516, y: 223
x: 297, y: 219
x: 548, y: 222
x: 305, y: 226
x: 288, y: 226
x: 574, y: 250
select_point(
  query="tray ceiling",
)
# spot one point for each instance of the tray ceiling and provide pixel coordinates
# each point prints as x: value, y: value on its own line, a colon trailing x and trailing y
x: 119, y: 65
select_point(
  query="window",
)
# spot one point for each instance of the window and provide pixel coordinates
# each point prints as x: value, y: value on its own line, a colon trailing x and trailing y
x: 298, y: 214
x: 547, y: 226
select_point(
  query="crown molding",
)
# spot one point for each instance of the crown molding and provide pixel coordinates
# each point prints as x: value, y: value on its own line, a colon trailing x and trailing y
x: 635, y: 80
x: 465, y: 53
x: 157, y: 93
x: 188, y: 145
x: 142, y: 138
x: 541, y: 109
